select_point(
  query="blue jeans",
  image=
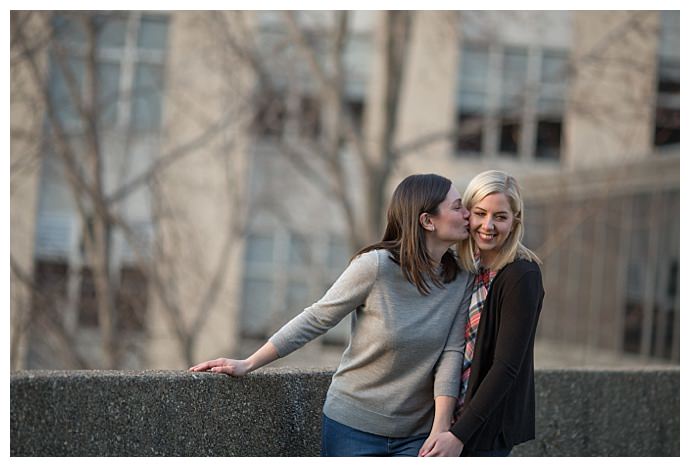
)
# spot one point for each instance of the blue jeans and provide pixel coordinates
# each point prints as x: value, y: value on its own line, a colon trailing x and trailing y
x: 338, y: 440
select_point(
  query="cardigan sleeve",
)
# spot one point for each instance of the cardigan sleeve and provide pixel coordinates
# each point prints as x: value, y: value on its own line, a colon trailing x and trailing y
x: 519, y: 309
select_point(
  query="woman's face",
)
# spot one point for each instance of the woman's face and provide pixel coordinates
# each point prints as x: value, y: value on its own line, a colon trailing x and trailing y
x: 450, y: 223
x: 491, y: 221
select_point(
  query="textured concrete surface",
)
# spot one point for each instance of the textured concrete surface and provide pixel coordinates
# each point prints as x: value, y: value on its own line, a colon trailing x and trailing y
x: 276, y: 412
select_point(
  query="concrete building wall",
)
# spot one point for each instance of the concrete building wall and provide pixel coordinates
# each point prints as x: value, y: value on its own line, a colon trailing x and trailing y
x: 228, y: 183
x: 200, y: 201
x: 25, y: 164
x: 612, y: 98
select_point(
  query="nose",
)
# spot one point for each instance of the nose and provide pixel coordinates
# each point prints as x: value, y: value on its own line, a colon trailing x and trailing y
x: 465, y: 213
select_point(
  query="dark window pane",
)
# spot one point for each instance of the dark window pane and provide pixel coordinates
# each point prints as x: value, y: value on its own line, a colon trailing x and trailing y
x: 50, y: 292
x: 554, y: 67
x: 356, y: 107
x: 474, y: 68
x: 474, y: 71
x: 667, y: 127
x: 88, y: 304
x: 548, y: 139
x: 632, y: 327
x: 148, y: 87
x: 310, y: 117
x: 356, y: 59
x: 153, y: 33
x: 667, y: 123
x: 514, y: 79
x: 299, y: 251
x: 110, y: 30
x: 108, y: 88
x: 469, y: 140
x: 471, y: 98
x: 297, y: 298
x: 257, y: 297
x: 669, y: 33
x: 259, y: 249
x: 131, y: 300
x: 67, y: 28
x: 510, y: 136
x: 270, y: 115
x: 338, y: 253
x: 67, y: 78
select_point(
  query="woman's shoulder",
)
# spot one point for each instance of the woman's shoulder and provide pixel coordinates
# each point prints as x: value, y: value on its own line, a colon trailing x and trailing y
x: 518, y: 268
x: 369, y: 259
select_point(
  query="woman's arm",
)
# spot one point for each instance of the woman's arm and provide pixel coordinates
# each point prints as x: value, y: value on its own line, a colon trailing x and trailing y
x: 347, y: 293
x: 265, y: 355
x: 447, y: 379
x: 438, y: 444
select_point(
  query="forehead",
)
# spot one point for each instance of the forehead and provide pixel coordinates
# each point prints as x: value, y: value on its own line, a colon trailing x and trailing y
x: 495, y: 202
x: 453, y: 194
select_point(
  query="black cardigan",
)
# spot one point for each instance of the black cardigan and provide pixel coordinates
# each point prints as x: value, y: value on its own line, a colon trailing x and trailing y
x: 499, y: 404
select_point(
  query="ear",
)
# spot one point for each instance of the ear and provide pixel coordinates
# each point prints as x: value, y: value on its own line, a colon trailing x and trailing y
x: 426, y: 222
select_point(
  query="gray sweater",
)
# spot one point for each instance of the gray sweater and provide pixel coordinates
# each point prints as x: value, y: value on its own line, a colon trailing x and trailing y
x: 405, y: 348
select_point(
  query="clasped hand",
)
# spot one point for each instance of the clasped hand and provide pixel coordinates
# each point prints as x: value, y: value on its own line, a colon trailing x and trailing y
x: 442, y: 444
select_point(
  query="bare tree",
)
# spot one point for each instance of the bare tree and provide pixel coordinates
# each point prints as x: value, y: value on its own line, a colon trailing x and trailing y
x: 83, y: 159
x: 300, y: 100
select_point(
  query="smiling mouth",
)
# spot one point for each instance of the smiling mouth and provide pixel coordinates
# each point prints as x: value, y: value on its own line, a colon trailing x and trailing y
x: 486, y: 237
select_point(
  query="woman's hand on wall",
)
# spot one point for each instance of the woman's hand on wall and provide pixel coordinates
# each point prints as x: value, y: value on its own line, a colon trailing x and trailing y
x: 224, y: 365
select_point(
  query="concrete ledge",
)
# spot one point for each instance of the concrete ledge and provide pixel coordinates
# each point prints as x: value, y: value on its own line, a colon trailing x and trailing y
x: 277, y: 413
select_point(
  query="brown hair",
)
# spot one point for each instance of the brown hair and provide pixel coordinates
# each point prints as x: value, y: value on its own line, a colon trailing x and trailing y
x: 404, y: 237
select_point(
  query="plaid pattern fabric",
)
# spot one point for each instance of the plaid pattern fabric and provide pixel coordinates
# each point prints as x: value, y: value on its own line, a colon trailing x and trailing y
x: 480, y: 290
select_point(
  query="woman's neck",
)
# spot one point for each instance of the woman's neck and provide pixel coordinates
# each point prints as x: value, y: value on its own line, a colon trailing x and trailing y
x: 436, y: 251
x: 487, y: 258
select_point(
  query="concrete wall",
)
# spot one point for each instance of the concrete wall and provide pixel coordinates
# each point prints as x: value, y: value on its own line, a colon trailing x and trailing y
x: 277, y: 413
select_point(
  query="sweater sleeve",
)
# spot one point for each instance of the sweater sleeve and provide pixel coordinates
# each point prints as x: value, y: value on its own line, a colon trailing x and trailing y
x: 448, y: 370
x: 519, y: 314
x: 348, y: 292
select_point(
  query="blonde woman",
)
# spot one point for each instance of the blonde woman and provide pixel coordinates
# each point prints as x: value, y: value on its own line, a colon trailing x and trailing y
x: 397, y: 381
x: 496, y: 403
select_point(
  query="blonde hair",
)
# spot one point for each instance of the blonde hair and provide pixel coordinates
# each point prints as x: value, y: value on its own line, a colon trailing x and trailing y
x: 481, y: 186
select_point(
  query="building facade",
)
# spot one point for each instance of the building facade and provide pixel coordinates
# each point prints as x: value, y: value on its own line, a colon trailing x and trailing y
x: 239, y: 189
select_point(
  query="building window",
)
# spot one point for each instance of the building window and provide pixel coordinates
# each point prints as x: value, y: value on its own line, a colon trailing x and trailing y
x: 551, y: 104
x: 292, y: 104
x: 667, y: 118
x: 131, y: 300
x: 50, y: 291
x: 511, y: 101
x: 128, y: 69
x: 130, y: 48
x: 286, y: 272
x: 472, y: 99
